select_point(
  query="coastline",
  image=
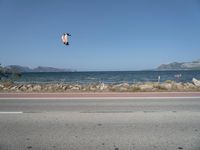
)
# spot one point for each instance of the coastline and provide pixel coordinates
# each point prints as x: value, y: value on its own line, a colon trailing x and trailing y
x: 168, y: 86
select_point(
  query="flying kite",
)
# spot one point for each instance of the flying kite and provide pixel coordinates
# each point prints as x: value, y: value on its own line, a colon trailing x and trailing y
x: 65, y: 38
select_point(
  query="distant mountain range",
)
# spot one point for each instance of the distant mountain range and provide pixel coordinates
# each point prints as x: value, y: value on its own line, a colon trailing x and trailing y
x: 194, y: 65
x: 38, y: 69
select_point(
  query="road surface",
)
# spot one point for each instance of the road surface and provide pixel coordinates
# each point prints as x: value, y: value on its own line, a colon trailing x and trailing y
x: 100, y: 124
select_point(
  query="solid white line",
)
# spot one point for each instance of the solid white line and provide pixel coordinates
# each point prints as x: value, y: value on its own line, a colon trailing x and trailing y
x: 97, y: 98
x: 11, y: 112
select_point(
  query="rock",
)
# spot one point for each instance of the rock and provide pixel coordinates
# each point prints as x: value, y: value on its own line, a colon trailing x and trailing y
x: 75, y: 87
x: 5, y: 88
x: 23, y: 88
x: 8, y: 84
x: 29, y: 86
x: 84, y: 89
x: 30, y: 89
x: 102, y: 86
x: 19, y: 86
x: 1, y: 86
x: 60, y: 86
x: 165, y: 86
x: 189, y: 86
x: 64, y: 87
x: 179, y: 86
x: 119, y: 87
x: 146, y: 87
x: 49, y: 88
x: 125, y: 84
x: 123, y: 89
x: 92, y: 88
x: 113, y: 88
x: 135, y: 88
x: 37, y: 88
x: 122, y: 85
x: 196, y: 82
x: 13, y: 88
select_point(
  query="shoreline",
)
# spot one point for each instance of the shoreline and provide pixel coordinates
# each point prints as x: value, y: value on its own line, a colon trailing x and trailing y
x: 168, y: 86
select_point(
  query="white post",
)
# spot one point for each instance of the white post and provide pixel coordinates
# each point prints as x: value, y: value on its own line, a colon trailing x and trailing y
x: 158, y: 79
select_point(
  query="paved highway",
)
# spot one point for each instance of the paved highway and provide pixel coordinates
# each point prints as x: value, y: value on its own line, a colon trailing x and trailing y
x: 101, y: 124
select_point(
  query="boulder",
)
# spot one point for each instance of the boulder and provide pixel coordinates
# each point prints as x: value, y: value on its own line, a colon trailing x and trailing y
x: 102, y: 86
x: 29, y: 89
x: 165, y: 86
x: 189, y: 86
x: 196, y: 82
x: 125, y: 84
x: 135, y: 88
x: 13, y: 88
x: 64, y: 87
x: 1, y: 86
x: 29, y: 86
x: 92, y: 88
x: 23, y: 88
x: 37, y: 88
x: 123, y: 89
x: 179, y: 86
x: 5, y: 89
x: 121, y: 85
x: 75, y: 87
x: 49, y: 88
x: 146, y: 87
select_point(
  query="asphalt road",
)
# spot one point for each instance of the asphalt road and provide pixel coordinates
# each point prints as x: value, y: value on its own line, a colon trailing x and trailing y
x: 103, y: 124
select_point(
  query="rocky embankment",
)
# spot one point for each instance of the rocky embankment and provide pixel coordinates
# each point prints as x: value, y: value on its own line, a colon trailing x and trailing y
x: 101, y: 87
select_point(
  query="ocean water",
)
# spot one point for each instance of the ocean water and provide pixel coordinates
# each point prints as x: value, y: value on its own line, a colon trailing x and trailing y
x: 108, y: 77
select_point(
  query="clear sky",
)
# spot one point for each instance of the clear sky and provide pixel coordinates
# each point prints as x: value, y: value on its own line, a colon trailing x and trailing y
x: 106, y: 34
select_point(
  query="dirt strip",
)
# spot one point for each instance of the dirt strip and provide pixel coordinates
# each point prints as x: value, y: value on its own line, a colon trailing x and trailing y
x: 82, y: 95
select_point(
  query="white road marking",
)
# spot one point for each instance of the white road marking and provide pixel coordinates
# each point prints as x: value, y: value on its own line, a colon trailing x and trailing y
x: 11, y: 112
x: 94, y: 98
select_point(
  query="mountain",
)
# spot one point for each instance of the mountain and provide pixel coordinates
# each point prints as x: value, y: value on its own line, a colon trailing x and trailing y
x: 19, y: 68
x: 50, y: 69
x: 194, y: 65
x: 38, y: 69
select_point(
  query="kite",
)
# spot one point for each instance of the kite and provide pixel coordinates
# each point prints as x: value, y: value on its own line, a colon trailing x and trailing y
x: 65, y: 38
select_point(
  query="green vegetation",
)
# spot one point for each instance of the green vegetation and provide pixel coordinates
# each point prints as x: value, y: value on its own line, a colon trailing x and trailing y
x: 8, y: 75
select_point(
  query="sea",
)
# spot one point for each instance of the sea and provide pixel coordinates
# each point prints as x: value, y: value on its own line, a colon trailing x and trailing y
x: 109, y: 77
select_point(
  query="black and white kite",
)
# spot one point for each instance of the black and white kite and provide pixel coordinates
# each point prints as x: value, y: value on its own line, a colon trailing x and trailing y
x: 65, y: 38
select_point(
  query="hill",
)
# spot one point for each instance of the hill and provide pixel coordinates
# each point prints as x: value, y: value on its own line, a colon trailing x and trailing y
x: 194, y: 65
x: 38, y: 69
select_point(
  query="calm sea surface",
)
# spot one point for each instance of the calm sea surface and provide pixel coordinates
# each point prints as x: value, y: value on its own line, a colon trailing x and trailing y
x: 108, y: 77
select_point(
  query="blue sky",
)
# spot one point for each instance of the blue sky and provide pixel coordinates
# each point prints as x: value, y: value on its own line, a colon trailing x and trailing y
x: 106, y: 34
